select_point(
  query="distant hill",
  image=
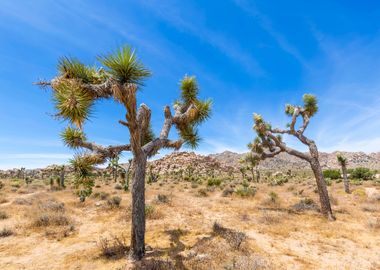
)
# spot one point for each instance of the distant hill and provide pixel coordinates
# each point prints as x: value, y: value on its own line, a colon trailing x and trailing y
x: 286, y: 161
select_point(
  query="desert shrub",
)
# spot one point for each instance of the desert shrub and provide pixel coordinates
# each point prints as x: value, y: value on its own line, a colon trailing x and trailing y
x: 356, y: 182
x: 234, y: 238
x: 151, y: 212
x: 269, y: 218
x: 202, y: 192
x: 305, y: 204
x: 228, y: 191
x: 194, y: 185
x: 23, y: 201
x: 1, y: 184
x: 328, y: 181
x: 15, y: 184
x: 214, y: 182
x: 361, y: 173
x: 162, y: 198
x: 3, y: 215
x: 273, y: 197
x: 114, y: 202
x: 51, y: 205
x: 114, y: 248
x: 374, y: 223
x: 247, y: 261
x: 5, y: 232
x: 245, y: 190
x: 331, y: 174
x: 101, y: 195
x: 51, y: 219
x: 118, y: 186
x: 278, y: 181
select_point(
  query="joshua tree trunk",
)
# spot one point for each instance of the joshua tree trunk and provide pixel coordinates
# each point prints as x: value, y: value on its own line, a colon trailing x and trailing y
x: 345, y: 179
x: 62, y: 178
x: 257, y: 175
x: 138, y: 208
x: 322, y: 189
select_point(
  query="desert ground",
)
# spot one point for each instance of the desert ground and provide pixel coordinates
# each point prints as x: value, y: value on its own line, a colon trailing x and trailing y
x: 190, y: 226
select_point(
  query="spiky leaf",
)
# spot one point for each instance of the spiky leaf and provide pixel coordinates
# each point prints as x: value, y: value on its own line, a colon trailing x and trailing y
x: 72, y: 102
x: 72, y: 137
x: 310, y: 104
x: 124, y: 66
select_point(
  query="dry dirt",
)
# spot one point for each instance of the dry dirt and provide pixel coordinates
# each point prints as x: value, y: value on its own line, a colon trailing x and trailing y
x: 180, y: 232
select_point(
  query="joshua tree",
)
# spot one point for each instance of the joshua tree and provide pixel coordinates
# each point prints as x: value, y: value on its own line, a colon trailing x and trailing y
x: 77, y: 87
x: 343, y: 163
x: 114, y: 166
x: 269, y: 143
x: 252, y: 163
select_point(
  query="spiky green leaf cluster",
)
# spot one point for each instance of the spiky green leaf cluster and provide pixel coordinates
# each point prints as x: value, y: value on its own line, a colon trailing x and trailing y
x: 189, y: 89
x: 252, y: 160
x: 310, y: 104
x: 289, y: 109
x: 256, y: 146
x: 72, y: 102
x: 190, y: 135
x: 124, y: 66
x: 72, y: 68
x: 341, y: 159
x: 260, y: 126
x: 200, y: 112
x: 148, y: 136
x: 72, y: 137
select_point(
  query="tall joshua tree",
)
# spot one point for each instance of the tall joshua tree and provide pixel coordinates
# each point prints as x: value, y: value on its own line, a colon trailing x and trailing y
x: 268, y: 143
x: 77, y: 87
x: 343, y: 163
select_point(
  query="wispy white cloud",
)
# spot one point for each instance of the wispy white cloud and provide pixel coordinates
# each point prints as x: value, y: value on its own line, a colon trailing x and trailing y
x: 189, y: 20
x: 267, y: 25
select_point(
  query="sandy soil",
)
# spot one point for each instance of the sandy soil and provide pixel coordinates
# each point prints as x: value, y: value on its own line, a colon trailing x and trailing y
x: 180, y: 232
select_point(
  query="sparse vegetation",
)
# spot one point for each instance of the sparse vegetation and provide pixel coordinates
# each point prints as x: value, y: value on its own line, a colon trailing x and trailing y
x: 5, y: 232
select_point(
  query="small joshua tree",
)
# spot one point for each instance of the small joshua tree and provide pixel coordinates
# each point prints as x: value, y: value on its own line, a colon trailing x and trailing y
x: 252, y: 163
x: 343, y: 163
x: 114, y: 166
x: 269, y: 143
x: 75, y: 90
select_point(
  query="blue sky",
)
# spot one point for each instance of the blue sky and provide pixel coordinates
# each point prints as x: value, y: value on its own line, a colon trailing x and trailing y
x: 248, y: 56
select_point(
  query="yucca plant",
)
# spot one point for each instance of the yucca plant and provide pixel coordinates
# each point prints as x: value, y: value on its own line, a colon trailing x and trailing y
x: 342, y: 160
x: 269, y: 143
x: 77, y: 87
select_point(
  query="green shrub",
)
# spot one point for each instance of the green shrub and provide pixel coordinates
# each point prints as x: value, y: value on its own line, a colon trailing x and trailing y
x: 328, y: 181
x: 246, y: 191
x: 361, y: 173
x: 214, y: 182
x: 331, y: 174
x: 273, y: 197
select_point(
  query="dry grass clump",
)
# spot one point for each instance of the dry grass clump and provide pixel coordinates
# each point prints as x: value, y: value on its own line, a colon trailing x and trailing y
x: 268, y: 218
x: 101, y: 195
x: 374, y: 223
x: 114, y: 202
x: 154, y: 264
x: 202, y: 192
x: 151, y: 212
x: 162, y: 198
x: 305, y: 204
x: 3, y: 215
x: 23, y: 201
x: 245, y: 262
x: 370, y: 208
x: 113, y: 248
x: 50, y: 213
x: 234, y: 238
x: 5, y: 232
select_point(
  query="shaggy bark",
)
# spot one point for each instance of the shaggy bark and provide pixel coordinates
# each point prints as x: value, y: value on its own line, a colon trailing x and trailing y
x: 274, y: 146
x: 345, y: 179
